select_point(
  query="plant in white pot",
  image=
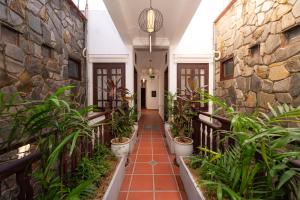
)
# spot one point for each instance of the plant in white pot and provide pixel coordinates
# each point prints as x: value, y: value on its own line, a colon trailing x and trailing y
x: 120, y: 122
x: 183, y: 113
x: 181, y: 128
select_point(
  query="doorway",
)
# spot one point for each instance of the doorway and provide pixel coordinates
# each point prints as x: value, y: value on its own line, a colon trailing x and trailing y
x: 143, y: 94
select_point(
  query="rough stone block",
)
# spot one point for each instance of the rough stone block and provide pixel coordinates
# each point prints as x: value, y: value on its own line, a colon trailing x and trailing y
x: 35, y: 23
x: 14, y: 52
x: 296, y: 9
x: 293, y: 64
x: 3, y: 12
x: 13, y: 66
x: 267, y: 86
x: 251, y: 100
x: 264, y: 99
x: 295, y: 85
x: 256, y: 83
x: 272, y: 43
x: 282, y: 86
x: 262, y: 71
x: 284, y: 98
x: 278, y: 72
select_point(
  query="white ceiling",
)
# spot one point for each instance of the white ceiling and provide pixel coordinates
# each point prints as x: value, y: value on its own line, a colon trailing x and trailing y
x: 157, y: 57
x: 177, y: 15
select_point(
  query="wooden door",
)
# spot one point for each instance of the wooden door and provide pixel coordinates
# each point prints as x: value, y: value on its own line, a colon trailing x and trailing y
x: 196, y: 71
x: 166, y: 89
x: 102, y: 73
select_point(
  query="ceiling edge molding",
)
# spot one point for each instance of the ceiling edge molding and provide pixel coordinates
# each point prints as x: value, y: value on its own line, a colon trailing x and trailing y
x: 106, y: 58
x: 193, y: 58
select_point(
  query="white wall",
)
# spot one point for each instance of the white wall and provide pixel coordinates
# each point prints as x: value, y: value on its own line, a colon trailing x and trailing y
x: 152, y: 85
x: 196, y: 45
x: 104, y: 45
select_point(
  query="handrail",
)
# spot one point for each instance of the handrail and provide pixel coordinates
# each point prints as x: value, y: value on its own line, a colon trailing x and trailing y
x: 98, y: 114
x: 15, y: 166
x: 215, y: 125
x: 218, y: 117
x: 33, y: 139
x: 208, y: 133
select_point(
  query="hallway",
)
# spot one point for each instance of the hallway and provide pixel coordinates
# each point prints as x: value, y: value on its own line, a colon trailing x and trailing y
x: 151, y: 173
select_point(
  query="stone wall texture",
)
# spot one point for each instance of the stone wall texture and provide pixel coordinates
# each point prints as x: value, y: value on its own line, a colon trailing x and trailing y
x: 54, y: 23
x: 273, y: 74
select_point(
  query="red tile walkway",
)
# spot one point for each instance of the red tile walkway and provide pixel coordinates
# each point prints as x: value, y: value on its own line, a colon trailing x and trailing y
x: 151, y: 173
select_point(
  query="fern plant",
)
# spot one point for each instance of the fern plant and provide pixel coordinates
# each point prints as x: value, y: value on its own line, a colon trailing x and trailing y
x: 259, y: 165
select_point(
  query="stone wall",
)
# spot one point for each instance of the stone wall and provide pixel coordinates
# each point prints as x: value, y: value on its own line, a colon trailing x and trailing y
x: 24, y: 68
x: 56, y: 24
x: 272, y: 75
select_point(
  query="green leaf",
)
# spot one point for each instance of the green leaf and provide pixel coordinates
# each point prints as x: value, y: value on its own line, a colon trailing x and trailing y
x: 286, y: 176
x: 219, y: 192
x: 74, y: 141
x: 264, y: 154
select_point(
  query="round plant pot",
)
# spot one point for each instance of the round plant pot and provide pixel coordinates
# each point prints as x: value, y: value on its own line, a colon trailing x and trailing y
x: 120, y: 149
x: 183, y: 148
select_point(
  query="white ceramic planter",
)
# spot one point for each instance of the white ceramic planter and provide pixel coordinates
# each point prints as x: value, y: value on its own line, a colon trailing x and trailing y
x: 133, y: 139
x: 190, y: 185
x: 182, y: 149
x: 169, y: 138
x: 114, y: 187
x: 120, y: 149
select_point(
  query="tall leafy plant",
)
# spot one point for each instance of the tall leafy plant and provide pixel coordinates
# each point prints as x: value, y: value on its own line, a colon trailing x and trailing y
x: 57, y: 122
x: 259, y: 165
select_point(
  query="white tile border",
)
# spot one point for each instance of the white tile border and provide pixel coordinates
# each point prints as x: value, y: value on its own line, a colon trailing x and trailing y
x: 190, y: 185
x: 114, y: 187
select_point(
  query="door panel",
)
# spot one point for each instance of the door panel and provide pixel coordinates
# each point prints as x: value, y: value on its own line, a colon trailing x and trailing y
x: 102, y: 73
x: 196, y: 71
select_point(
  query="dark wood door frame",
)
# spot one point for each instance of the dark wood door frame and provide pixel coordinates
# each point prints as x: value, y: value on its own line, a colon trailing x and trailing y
x: 109, y: 67
x: 193, y: 67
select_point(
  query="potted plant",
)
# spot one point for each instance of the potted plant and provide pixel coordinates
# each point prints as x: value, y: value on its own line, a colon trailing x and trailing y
x: 181, y: 127
x: 181, y: 122
x: 122, y: 126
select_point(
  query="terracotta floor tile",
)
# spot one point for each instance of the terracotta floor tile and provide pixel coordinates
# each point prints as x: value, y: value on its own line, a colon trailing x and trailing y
x: 126, y: 182
x: 140, y: 196
x: 158, y: 145
x: 132, y: 157
x: 151, y: 180
x: 144, y: 151
x: 142, y: 182
x: 160, y: 151
x: 142, y: 168
x: 143, y: 158
x: 122, y: 196
x: 162, y: 168
x: 167, y: 196
x: 161, y: 158
x: 165, y: 182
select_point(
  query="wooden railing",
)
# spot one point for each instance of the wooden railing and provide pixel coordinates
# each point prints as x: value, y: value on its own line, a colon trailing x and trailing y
x: 22, y: 168
x: 209, y: 132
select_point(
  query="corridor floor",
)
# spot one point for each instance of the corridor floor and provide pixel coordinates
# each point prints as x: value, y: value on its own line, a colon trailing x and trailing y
x: 151, y: 174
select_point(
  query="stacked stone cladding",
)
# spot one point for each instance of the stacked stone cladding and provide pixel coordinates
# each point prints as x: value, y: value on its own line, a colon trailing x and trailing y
x: 54, y: 23
x: 273, y: 74
x: 60, y: 26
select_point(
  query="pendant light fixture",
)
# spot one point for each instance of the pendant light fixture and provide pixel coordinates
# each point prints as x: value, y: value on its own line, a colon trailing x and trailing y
x: 150, y: 21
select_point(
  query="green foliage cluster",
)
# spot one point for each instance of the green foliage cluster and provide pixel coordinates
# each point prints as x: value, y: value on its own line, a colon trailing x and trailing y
x: 260, y: 163
x: 123, y: 119
x: 181, y: 124
x: 58, y: 123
